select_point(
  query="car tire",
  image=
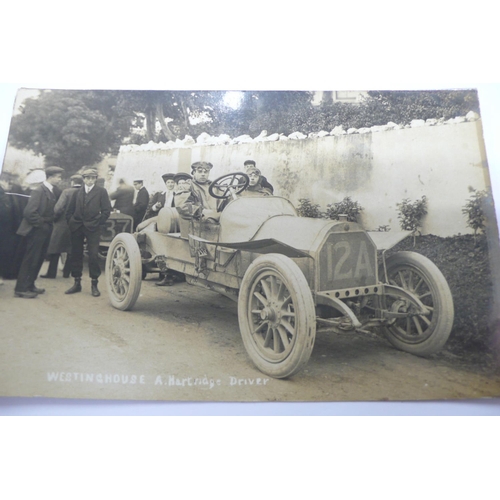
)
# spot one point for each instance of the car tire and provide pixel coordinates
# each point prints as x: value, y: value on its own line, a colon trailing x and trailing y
x: 276, y: 315
x: 123, y: 272
x: 420, y: 335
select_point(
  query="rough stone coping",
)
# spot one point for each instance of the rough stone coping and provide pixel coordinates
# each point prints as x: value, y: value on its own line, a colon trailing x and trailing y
x: 224, y: 139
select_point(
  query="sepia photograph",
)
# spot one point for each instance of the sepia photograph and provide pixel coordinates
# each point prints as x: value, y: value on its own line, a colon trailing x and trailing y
x: 265, y: 246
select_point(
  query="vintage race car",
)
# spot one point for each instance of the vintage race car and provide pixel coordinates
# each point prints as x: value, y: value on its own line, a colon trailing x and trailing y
x: 290, y: 276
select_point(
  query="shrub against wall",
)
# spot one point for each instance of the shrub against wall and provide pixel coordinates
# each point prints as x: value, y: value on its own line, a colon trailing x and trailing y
x: 352, y: 209
x: 411, y: 215
x: 345, y: 207
x: 307, y: 208
x: 473, y: 211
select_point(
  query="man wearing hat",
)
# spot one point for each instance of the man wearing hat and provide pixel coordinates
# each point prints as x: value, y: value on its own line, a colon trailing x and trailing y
x: 250, y: 164
x: 182, y: 182
x: 255, y: 187
x: 36, y: 227
x: 182, y: 185
x: 141, y: 200
x: 199, y: 203
x: 162, y: 198
x: 124, y: 198
x: 60, y: 240
x: 87, y: 212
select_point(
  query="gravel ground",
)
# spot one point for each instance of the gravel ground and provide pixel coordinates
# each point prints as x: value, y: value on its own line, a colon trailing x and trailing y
x: 183, y: 343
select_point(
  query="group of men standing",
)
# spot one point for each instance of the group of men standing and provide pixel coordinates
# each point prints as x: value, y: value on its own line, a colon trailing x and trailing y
x: 55, y: 222
x: 81, y: 210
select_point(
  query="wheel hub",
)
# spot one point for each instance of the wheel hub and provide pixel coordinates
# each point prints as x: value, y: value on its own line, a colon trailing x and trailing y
x: 271, y: 313
x: 119, y: 269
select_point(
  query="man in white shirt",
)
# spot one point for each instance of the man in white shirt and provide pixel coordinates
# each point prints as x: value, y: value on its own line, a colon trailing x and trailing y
x: 141, y: 201
x: 87, y: 214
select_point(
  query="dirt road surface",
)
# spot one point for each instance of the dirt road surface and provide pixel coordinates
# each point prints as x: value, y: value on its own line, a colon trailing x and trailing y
x: 183, y: 343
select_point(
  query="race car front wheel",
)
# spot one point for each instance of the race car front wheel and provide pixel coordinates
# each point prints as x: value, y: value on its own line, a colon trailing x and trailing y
x: 123, y: 271
x: 276, y: 315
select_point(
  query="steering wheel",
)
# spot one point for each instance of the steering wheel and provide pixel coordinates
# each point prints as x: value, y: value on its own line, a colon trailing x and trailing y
x: 229, y: 185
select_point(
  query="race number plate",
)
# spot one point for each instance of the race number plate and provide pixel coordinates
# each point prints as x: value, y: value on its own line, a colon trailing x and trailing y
x: 117, y: 223
x: 347, y: 260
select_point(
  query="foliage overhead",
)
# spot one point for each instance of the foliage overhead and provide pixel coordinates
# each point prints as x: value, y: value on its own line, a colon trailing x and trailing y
x: 70, y: 128
x: 75, y: 128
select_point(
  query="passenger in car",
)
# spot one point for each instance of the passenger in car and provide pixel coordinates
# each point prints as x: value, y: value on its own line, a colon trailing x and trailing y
x: 255, y: 187
x: 163, y: 198
x: 198, y: 203
x: 182, y: 183
x: 250, y: 164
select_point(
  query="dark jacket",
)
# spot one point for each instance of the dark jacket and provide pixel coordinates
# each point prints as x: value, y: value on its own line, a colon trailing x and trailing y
x: 124, y: 199
x: 60, y: 240
x: 38, y: 211
x: 155, y: 198
x: 90, y: 210
x: 141, y: 205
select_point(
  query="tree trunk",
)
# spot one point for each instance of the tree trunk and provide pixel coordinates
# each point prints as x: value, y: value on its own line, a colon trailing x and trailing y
x: 185, y: 115
x: 163, y: 124
x: 150, y: 124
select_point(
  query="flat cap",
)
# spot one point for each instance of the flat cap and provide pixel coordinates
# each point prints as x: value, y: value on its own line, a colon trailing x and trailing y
x: 252, y: 169
x: 53, y: 171
x: 35, y: 177
x: 201, y: 164
x: 182, y: 176
x: 90, y: 172
x: 138, y: 180
x: 76, y: 178
x: 248, y: 163
x: 168, y: 176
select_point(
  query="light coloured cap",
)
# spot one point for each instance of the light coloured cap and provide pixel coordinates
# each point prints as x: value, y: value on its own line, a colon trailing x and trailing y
x: 35, y: 177
x: 90, y: 172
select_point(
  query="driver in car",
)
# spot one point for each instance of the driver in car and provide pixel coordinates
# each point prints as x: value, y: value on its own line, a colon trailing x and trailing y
x: 198, y: 203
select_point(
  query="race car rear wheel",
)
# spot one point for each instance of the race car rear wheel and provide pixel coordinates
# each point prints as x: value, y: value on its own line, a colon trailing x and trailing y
x: 422, y: 335
x: 123, y: 271
x: 276, y: 315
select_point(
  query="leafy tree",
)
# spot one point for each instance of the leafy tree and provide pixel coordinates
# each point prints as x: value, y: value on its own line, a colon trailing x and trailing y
x: 74, y: 128
x: 404, y: 106
x: 71, y: 128
x: 381, y: 107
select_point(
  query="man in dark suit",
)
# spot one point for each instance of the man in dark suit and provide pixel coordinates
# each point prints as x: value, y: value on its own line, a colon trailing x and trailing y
x: 124, y: 198
x: 36, y: 227
x: 87, y: 213
x: 60, y: 241
x: 141, y: 202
